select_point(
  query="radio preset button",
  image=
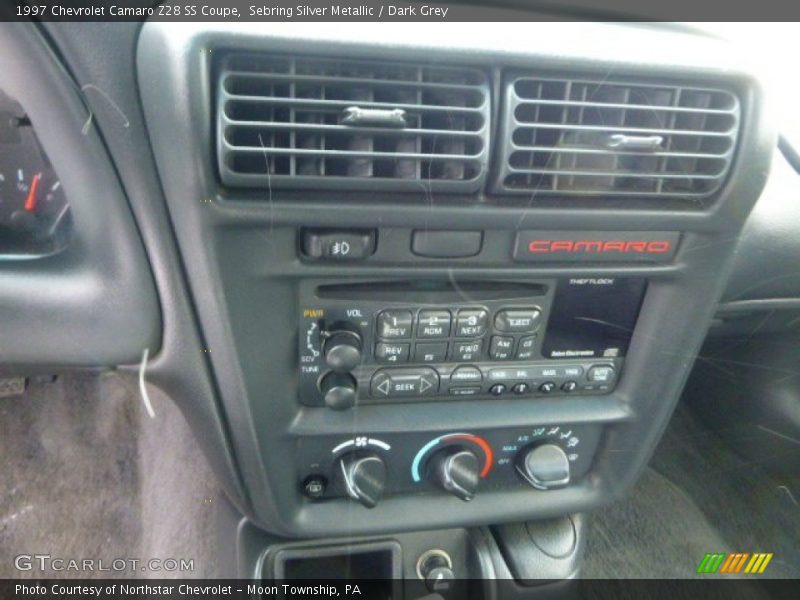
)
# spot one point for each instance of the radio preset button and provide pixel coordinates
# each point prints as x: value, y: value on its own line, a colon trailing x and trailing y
x: 523, y: 320
x: 393, y: 383
x: 466, y: 375
x: 502, y: 347
x: 433, y: 324
x: 572, y: 371
x: 471, y: 322
x: 601, y: 374
x: 395, y: 324
x: 467, y: 351
x: 391, y: 353
x: 525, y: 348
x: 430, y: 352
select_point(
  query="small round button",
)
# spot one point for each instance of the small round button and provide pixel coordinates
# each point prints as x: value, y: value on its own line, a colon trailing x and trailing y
x: 521, y: 388
x: 498, y: 389
x: 547, y: 387
x: 314, y: 486
x: 569, y: 386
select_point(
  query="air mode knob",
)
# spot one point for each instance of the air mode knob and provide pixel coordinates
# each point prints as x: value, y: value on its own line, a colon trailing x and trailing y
x: 364, y: 477
x: 342, y: 350
x: 338, y: 390
x: 544, y: 467
x: 456, y: 470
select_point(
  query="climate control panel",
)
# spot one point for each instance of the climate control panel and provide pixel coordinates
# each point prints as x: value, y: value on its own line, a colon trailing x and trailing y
x: 460, y: 463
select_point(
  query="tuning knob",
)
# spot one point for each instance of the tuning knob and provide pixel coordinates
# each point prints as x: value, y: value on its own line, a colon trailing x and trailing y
x: 456, y: 470
x: 338, y: 390
x: 364, y: 477
x: 545, y: 467
x: 343, y: 350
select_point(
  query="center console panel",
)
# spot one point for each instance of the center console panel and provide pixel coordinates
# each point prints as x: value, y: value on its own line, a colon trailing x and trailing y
x: 468, y: 354
x: 412, y: 341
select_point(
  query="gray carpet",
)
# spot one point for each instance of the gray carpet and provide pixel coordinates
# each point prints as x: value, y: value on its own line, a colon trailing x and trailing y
x: 697, y: 497
x: 87, y: 475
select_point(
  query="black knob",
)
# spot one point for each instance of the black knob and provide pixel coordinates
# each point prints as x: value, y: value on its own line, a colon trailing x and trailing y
x: 364, y: 477
x: 456, y: 470
x: 544, y: 467
x: 436, y: 568
x: 338, y: 390
x: 343, y: 351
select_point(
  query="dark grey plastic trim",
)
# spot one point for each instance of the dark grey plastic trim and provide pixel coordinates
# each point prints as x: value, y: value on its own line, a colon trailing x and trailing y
x: 93, y: 304
x: 103, y: 57
x: 243, y: 267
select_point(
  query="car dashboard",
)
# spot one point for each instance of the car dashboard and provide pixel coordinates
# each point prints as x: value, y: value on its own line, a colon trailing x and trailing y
x: 396, y: 284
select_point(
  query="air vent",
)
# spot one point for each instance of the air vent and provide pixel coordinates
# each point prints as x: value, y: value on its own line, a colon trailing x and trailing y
x: 343, y: 124
x: 614, y: 138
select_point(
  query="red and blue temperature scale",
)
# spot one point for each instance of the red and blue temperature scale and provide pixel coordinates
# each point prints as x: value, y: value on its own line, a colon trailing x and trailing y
x: 454, y: 437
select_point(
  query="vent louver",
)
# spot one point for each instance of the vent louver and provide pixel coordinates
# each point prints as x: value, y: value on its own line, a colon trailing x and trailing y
x: 614, y: 138
x: 344, y: 124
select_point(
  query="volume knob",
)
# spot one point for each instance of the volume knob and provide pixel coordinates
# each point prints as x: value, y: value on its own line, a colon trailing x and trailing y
x: 343, y: 351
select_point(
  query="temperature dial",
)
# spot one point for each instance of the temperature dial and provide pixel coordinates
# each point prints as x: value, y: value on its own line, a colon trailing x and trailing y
x: 544, y: 467
x: 342, y: 350
x: 456, y: 462
x: 456, y: 470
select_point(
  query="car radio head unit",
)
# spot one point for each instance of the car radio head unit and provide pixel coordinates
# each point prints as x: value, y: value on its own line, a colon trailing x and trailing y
x: 401, y: 341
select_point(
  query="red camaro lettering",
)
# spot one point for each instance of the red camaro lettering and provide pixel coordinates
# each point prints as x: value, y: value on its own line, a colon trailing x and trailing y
x: 659, y: 246
x: 589, y: 246
x: 539, y: 246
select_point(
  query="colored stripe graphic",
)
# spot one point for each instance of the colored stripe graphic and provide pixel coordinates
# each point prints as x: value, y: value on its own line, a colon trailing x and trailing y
x: 734, y: 562
x: 759, y: 562
x: 710, y: 563
x: 741, y: 562
x: 732, y: 558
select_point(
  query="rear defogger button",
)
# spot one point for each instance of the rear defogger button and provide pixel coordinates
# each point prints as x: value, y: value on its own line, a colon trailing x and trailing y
x: 403, y: 383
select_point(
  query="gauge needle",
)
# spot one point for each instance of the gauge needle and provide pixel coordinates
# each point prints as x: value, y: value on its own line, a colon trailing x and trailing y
x: 30, y: 201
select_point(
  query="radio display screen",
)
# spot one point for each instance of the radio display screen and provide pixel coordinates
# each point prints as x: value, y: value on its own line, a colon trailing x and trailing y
x: 593, y: 317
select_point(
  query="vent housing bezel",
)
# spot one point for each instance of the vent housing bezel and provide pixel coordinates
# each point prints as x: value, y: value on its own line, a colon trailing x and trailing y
x: 327, y: 155
x: 547, y: 101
